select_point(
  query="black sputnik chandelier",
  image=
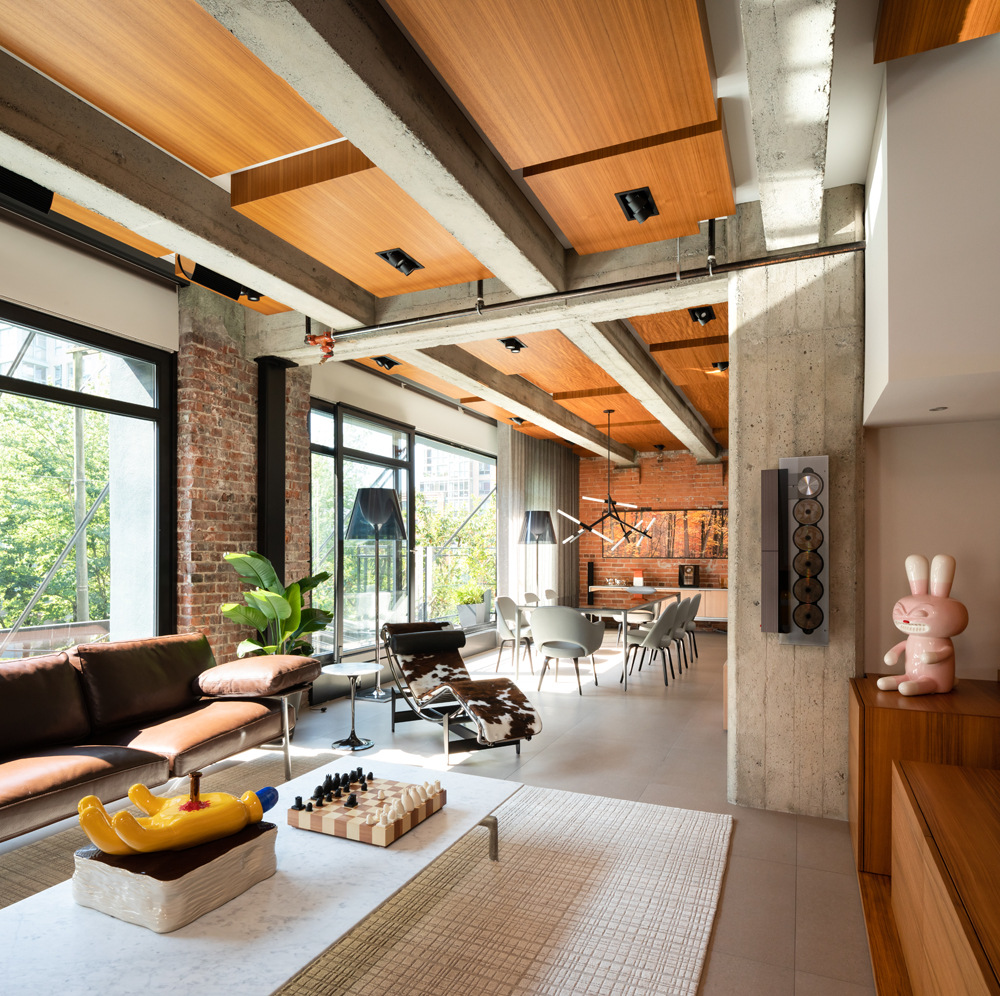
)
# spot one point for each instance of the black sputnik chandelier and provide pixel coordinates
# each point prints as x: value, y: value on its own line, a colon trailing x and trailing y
x: 629, y: 532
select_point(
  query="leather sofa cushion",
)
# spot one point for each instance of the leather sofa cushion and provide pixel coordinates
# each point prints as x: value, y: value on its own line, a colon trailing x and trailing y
x: 45, y: 786
x: 41, y: 702
x: 259, y: 675
x: 209, y: 731
x: 140, y: 679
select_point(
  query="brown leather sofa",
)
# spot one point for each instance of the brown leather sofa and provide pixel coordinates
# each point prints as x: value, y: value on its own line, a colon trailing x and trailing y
x: 96, y: 719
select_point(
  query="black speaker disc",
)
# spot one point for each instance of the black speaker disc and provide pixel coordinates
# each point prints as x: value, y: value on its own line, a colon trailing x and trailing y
x: 808, y: 617
x: 808, y: 537
x: 808, y: 511
x: 808, y: 590
x: 808, y: 564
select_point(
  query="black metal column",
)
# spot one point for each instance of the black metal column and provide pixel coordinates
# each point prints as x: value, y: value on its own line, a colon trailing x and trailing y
x: 271, y: 459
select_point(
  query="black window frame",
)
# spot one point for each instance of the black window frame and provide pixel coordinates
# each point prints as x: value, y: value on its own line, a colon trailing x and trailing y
x: 164, y: 416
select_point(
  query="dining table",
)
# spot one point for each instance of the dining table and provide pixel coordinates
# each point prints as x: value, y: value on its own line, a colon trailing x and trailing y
x: 616, y: 612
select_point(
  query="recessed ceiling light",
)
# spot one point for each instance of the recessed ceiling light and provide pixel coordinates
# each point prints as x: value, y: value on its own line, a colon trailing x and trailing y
x: 517, y: 420
x: 720, y: 366
x: 702, y: 315
x: 513, y: 344
x: 400, y: 260
x: 637, y: 205
x: 385, y: 362
x: 943, y: 408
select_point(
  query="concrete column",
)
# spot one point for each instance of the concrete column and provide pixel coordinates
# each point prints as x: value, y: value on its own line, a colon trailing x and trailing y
x: 796, y: 389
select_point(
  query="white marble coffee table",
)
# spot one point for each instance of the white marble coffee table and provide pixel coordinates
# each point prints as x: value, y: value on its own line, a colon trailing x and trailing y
x: 324, y: 886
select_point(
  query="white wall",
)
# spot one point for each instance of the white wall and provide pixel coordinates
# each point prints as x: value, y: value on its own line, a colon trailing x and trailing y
x: 942, y: 146
x: 52, y: 277
x: 934, y: 489
x: 339, y: 382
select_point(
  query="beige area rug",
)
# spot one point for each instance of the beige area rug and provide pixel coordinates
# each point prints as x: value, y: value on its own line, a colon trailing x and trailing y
x: 590, y: 896
x: 45, y: 863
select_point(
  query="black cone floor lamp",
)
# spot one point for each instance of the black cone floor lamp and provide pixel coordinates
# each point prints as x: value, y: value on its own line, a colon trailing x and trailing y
x: 537, y: 529
x: 376, y: 515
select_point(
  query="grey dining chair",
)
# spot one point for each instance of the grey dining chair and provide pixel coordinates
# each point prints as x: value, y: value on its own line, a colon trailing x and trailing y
x: 692, y: 626
x: 637, y: 617
x: 559, y: 632
x: 506, y: 621
x: 657, y: 637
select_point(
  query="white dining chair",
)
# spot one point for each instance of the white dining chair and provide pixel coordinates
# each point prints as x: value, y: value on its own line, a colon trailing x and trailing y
x: 560, y: 632
x: 552, y: 596
x: 692, y: 625
x: 506, y: 621
x: 637, y: 617
x: 530, y: 598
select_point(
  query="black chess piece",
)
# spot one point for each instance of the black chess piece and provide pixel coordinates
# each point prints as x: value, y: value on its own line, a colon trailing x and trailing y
x: 336, y: 780
x: 328, y: 797
x: 360, y: 773
x: 371, y: 777
x: 364, y: 785
x: 352, y: 801
x: 336, y: 792
x: 328, y: 784
x: 298, y: 803
x: 309, y: 807
x: 345, y: 780
x: 318, y: 792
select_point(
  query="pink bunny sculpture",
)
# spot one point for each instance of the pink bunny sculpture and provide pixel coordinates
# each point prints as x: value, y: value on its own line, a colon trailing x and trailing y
x: 930, y: 620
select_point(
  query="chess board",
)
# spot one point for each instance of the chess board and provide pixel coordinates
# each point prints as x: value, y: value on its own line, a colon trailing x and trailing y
x: 336, y: 819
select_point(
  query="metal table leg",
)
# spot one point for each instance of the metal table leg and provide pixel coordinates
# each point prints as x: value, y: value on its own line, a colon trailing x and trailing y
x: 517, y: 643
x: 353, y: 742
x: 625, y: 646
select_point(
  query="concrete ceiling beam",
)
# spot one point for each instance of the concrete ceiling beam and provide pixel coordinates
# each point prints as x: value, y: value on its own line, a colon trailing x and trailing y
x: 517, y: 395
x: 351, y: 62
x: 789, y: 48
x: 614, y: 347
x: 52, y: 137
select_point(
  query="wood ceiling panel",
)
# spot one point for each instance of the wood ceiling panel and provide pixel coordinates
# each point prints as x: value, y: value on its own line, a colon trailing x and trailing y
x: 549, y: 360
x: 170, y: 72
x: 687, y: 173
x: 69, y: 209
x: 552, y: 79
x: 340, y: 208
x: 691, y: 368
x: 647, y: 437
x: 625, y: 409
x: 909, y: 26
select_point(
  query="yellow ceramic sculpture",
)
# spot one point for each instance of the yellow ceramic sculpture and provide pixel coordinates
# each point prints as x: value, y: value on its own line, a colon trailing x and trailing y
x: 172, y: 824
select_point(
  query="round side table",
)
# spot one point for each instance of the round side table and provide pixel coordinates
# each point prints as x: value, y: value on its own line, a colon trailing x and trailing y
x: 353, y: 672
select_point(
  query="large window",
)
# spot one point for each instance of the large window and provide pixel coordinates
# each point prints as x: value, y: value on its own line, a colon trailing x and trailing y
x: 86, y: 454
x: 456, y: 533
x: 447, y: 496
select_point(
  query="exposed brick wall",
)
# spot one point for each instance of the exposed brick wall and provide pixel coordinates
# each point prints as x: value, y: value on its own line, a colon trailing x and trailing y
x: 217, y: 467
x: 298, y: 553
x: 216, y: 479
x: 677, y: 481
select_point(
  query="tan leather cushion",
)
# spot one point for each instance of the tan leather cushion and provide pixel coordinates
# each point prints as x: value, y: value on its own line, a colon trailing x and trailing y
x: 41, y: 702
x: 259, y: 675
x: 208, y: 732
x: 139, y: 679
x: 45, y: 786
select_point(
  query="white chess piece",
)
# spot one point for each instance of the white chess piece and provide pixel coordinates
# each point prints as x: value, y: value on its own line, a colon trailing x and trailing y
x: 381, y: 795
x: 407, y: 801
x: 423, y: 792
x: 370, y: 819
x: 437, y: 787
x: 383, y: 821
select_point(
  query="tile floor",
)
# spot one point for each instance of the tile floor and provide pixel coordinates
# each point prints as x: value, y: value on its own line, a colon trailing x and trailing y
x: 790, y: 920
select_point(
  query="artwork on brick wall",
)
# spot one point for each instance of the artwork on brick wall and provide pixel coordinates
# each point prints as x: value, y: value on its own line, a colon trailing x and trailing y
x: 677, y: 534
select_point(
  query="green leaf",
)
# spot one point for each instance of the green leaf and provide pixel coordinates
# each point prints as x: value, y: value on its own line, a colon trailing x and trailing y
x: 294, y: 600
x: 308, y: 583
x: 312, y: 621
x: 256, y: 570
x: 273, y: 606
x: 248, y: 647
x: 245, y: 615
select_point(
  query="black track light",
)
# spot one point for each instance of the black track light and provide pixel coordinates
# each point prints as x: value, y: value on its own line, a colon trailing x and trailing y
x: 385, y: 362
x: 513, y: 344
x: 400, y: 260
x: 702, y: 315
x: 25, y: 191
x: 517, y: 420
x: 721, y: 365
x: 637, y: 205
x: 251, y: 295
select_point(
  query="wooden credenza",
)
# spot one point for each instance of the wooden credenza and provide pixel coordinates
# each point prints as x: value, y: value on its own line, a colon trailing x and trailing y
x: 962, y: 727
x: 946, y: 877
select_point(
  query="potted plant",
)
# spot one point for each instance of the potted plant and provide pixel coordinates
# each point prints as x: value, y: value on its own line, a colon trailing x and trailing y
x: 471, y: 605
x: 275, y: 611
